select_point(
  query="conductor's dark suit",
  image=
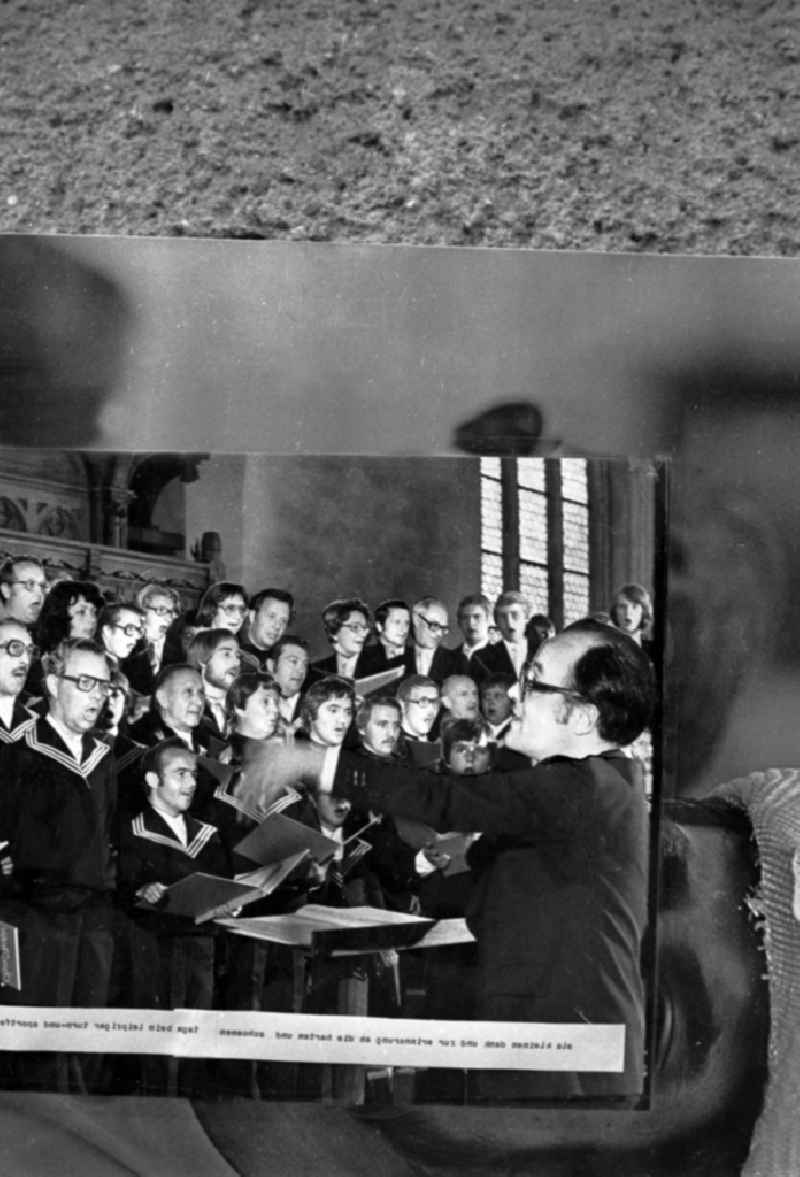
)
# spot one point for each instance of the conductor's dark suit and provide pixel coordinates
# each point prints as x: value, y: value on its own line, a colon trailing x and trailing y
x: 560, y: 902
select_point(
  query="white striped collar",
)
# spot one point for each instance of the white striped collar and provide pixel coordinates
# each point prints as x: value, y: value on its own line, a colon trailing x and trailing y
x: 39, y: 738
x: 203, y: 833
x: 290, y: 797
x: 22, y: 720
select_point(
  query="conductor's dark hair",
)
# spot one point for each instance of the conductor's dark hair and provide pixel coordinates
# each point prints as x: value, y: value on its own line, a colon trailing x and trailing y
x: 617, y: 677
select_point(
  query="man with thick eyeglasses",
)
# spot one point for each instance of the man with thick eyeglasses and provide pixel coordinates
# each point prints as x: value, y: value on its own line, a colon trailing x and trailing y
x: 58, y: 812
x: 559, y: 906
x: 419, y: 698
x: 426, y: 655
x: 158, y: 606
x: 23, y: 587
x: 347, y: 623
x: 120, y: 627
x: 17, y: 651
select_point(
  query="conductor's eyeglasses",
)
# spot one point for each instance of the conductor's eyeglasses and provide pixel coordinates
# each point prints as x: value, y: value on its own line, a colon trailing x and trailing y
x: 529, y: 686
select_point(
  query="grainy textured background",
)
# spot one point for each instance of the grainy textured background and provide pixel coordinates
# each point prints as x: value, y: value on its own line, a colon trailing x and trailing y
x: 602, y: 124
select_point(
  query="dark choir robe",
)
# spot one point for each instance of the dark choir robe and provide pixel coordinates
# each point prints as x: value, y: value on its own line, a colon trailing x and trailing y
x: 140, y: 670
x: 347, y: 882
x: 59, y: 816
x: 441, y: 666
x: 422, y: 753
x: 127, y: 754
x: 391, y: 861
x: 559, y: 906
x: 171, y: 957
x: 254, y: 658
x: 34, y: 685
x: 461, y: 664
x: 295, y: 714
x: 492, y: 659
x: 375, y: 660
x: 245, y: 966
x: 22, y: 720
x: 151, y: 852
x: 323, y: 667
x: 210, y: 735
x: 167, y: 972
x: 222, y: 812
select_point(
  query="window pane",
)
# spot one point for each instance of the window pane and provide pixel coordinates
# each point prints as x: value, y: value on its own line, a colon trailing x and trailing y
x: 533, y: 586
x: 491, y: 576
x: 576, y: 537
x: 490, y: 468
x: 576, y: 596
x: 491, y: 516
x: 532, y: 526
x: 530, y: 473
x: 574, y: 482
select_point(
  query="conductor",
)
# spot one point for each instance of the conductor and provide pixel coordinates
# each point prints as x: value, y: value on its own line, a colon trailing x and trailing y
x: 560, y: 903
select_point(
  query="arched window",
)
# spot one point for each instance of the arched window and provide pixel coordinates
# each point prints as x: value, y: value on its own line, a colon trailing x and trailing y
x: 535, y: 520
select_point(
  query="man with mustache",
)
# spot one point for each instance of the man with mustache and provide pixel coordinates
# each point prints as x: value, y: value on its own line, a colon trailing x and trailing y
x: 215, y: 652
x: 16, y: 654
x: 172, y: 957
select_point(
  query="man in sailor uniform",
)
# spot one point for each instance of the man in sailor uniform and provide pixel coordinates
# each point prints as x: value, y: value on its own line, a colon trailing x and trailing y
x: 58, y: 804
x: 16, y: 654
x: 172, y: 957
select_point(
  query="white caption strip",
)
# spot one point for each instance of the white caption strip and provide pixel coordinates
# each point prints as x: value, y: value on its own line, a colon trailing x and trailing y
x: 526, y: 1046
